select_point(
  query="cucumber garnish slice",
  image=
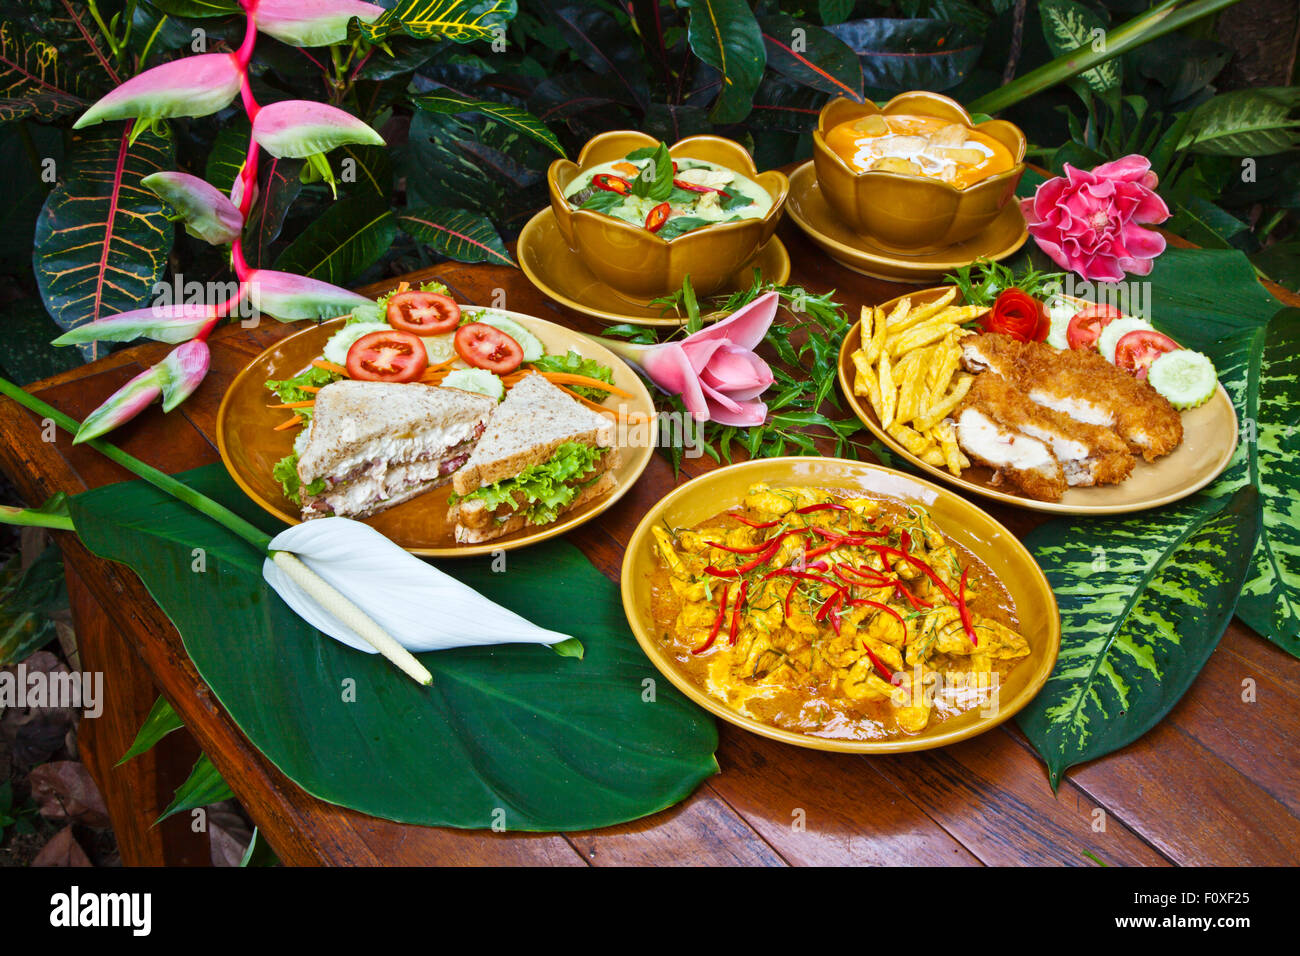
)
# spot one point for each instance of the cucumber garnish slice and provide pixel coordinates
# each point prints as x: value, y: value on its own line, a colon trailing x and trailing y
x: 1186, y: 378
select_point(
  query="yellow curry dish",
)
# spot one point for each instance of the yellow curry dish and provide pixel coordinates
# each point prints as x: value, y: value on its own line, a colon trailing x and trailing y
x: 919, y: 146
x: 833, y: 616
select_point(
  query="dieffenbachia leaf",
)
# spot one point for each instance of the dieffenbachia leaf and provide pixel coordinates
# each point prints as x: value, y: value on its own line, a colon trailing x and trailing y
x: 1261, y: 369
x: 456, y: 233
x: 303, y: 128
x: 461, y: 21
x: 1070, y: 26
x: 203, y: 208
x: 288, y: 297
x: 512, y: 117
x: 725, y: 35
x: 312, y: 22
x: 191, y: 86
x: 1144, y: 599
x: 174, y: 323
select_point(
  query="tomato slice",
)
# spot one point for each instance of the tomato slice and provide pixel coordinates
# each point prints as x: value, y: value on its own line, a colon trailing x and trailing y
x: 394, y: 356
x: 1136, y: 350
x: 424, y: 313
x: 485, y: 347
x: 1085, y: 328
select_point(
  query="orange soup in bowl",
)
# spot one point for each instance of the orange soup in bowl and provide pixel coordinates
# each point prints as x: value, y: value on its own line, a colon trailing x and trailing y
x: 919, y: 146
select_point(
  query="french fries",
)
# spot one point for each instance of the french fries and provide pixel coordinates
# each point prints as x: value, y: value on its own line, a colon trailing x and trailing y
x: 909, y: 369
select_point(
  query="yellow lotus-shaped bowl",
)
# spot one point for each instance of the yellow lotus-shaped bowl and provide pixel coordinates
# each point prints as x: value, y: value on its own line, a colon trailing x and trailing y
x: 913, y: 213
x: 637, y: 263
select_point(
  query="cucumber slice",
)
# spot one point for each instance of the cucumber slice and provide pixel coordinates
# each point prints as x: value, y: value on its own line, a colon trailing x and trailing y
x: 1060, y: 311
x: 1112, y: 333
x: 439, y: 347
x: 1186, y: 378
x: 531, y: 344
x: 478, y: 380
x: 336, y: 349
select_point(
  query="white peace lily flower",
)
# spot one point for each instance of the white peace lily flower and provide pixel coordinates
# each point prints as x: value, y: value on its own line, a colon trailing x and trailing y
x: 349, y: 581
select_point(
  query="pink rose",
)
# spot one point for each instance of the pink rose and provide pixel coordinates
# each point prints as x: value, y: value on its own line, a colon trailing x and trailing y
x: 1090, y: 222
x: 715, y: 371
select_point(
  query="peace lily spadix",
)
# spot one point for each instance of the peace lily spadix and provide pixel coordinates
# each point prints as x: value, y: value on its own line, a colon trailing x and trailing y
x: 715, y: 371
x: 341, y: 576
x: 312, y: 22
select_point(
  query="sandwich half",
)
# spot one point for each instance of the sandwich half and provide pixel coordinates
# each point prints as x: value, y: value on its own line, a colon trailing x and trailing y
x: 371, y: 445
x: 543, y: 455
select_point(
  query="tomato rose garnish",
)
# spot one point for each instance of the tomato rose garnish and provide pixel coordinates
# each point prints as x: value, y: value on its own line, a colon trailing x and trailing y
x: 1019, y: 315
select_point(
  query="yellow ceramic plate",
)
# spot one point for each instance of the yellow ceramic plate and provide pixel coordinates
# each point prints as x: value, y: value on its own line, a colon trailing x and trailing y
x: 558, y: 272
x: 807, y: 207
x: 990, y: 542
x: 1209, y: 438
x: 250, y: 447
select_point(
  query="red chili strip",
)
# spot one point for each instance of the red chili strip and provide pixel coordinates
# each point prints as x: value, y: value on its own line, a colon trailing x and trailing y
x: 879, y: 664
x: 965, y: 611
x: 612, y: 184
x: 959, y: 603
x: 788, y: 572
x: 735, y: 614
x: 912, y: 599
x: 755, y: 524
x: 788, y: 595
x: 863, y: 602
x: 879, y: 578
x: 825, y: 506
x: 717, y: 624
x: 856, y: 539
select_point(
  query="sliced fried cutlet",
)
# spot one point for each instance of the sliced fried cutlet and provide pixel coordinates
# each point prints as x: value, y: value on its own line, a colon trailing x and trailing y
x: 1027, y: 463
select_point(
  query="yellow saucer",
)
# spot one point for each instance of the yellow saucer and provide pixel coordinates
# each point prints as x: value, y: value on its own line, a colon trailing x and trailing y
x: 807, y: 207
x: 559, y: 273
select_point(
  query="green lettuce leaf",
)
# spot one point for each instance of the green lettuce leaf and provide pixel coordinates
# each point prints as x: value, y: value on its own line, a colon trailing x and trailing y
x: 286, y: 473
x: 544, y: 488
x: 291, y: 389
x: 575, y: 363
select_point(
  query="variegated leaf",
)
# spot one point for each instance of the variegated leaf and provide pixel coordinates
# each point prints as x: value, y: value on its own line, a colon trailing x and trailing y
x: 512, y: 117
x: 102, y: 238
x: 349, y: 237
x: 33, y: 81
x: 1069, y: 26
x: 461, y: 21
x: 1144, y: 600
x: 456, y: 233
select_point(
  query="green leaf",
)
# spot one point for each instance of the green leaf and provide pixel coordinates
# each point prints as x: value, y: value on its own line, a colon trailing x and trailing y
x: 461, y: 21
x: 226, y: 157
x: 509, y: 734
x: 447, y: 101
x: 1209, y: 226
x: 27, y: 599
x: 203, y: 787
x: 197, y: 8
x: 456, y: 233
x: 725, y: 35
x: 279, y: 183
x: 898, y: 55
x: 834, y: 11
x: 102, y: 239
x: 259, y: 852
x: 160, y: 722
x: 1244, y: 123
x: 33, y: 80
x: 1144, y: 600
x: 1069, y: 26
x: 352, y: 235
x: 811, y: 56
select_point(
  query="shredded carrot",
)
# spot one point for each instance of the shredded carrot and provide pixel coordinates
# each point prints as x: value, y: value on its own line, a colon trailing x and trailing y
x: 618, y: 413
x: 306, y: 404
x: 329, y: 366
x: 402, y: 286
x: 568, y: 378
x: 313, y: 389
x: 289, y: 424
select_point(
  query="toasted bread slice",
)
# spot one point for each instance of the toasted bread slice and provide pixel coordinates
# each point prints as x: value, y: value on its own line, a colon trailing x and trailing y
x: 485, y: 527
x: 535, y: 419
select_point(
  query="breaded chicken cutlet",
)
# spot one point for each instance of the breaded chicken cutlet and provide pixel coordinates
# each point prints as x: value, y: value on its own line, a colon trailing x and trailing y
x: 1040, y: 450
x: 1083, y: 386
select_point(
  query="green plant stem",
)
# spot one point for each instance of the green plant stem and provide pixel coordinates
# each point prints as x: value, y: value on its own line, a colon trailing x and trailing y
x: 159, y: 479
x: 148, y: 45
x: 30, y: 518
x: 1156, y: 22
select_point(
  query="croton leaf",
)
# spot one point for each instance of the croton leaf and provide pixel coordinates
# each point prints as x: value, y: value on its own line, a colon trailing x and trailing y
x: 521, y: 121
x: 898, y: 55
x: 811, y: 56
x: 203, y: 209
x: 1144, y: 601
x: 102, y: 239
x: 349, y: 237
x: 1069, y: 26
x: 279, y: 182
x: 312, y: 22
x: 456, y: 233
x: 725, y: 35
x: 603, y: 45
x: 513, y: 735
x: 461, y: 21
x: 33, y: 81
x: 226, y: 158
x: 191, y: 86
x: 302, y: 128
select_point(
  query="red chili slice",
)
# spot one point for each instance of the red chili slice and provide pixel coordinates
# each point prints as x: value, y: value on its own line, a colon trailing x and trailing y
x: 879, y: 664
x: 657, y: 216
x: 611, y: 184
x: 693, y: 187
x: 824, y: 506
x: 424, y: 313
x: 735, y: 614
x: 756, y: 524
x: 959, y: 603
x: 863, y: 602
x: 717, y: 624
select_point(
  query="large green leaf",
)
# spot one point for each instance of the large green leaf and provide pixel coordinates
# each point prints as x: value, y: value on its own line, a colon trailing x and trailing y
x: 603, y: 44
x: 352, y: 235
x: 1144, y: 600
x: 226, y: 158
x: 1069, y: 26
x: 898, y: 55
x: 811, y: 56
x: 462, y: 21
x: 511, y: 735
x: 725, y: 35
x: 102, y: 239
x: 456, y: 233
x: 1244, y: 123
x: 279, y: 183
x: 448, y: 101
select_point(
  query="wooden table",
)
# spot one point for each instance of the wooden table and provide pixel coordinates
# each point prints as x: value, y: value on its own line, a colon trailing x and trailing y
x: 1217, y: 782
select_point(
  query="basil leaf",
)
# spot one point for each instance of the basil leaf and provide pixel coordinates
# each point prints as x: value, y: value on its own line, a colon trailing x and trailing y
x: 655, y: 181
x: 682, y: 224
x: 645, y: 152
x: 602, y: 201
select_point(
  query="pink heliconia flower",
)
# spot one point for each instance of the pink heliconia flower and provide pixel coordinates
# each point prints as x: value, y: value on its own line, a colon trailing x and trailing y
x: 202, y: 207
x: 288, y: 297
x: 715, y: 371
x: 300, y: 128
x: 1091, y: 222
x: 162, y: 323
x: 123, y: 405
x: 183, y: 371
x: 312, y: 22
x: 191, y: 86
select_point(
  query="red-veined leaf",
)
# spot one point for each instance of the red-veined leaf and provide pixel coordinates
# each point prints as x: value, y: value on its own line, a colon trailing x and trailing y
x: 521, y: 121
x: 456, y: 233
x: 278, y: 186
x: 811, y: 56
x: 725, y: 35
